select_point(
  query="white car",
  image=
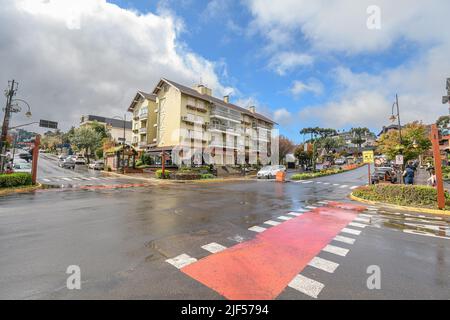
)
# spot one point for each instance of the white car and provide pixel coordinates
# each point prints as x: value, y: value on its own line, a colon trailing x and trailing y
x: 96, y: 165
x: 270, y: 172
x: 80, y: 160
x: 22, y: 167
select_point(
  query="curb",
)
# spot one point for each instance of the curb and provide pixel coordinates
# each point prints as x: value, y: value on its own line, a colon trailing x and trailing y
x: 20, y: 190
x: 403, y: 208
x: 328, y: 175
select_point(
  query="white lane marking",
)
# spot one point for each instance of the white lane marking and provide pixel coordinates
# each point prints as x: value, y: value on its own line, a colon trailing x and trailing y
x: 311, y: 207
x: 213, y: 247
x: 424, y: 234
x: 301, y: 210
x: 94, y: 178
x: 365, y: 220
x: 307, y: 182
x: 336, y: 250
x: 67, y: 179
x: 344, y: 239
x: 295, y: 214
x: 327, y: 183
x: 336, y: 184
x: 257, y: 229
x: 284, y: 218
x: 319, y: 182
x: 76, y: 179
x: 46, y: 180
x: 272, y: 223
x: 181, y: 261
x: 343, y: 186
x: 323, y: 202
x: 424, y: 226
x: 354, y: 187
x: 306, y: 285
x: 351, y: 231
x: 323, y: 264
x: 358, y: 225
x: 366, y: 215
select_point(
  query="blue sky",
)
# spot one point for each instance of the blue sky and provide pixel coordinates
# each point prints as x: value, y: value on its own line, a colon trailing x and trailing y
x: 300, y: 62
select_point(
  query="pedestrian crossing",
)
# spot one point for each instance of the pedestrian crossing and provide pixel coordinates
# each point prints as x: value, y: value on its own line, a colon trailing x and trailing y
x: 309, y: 285
x: 337, y: 185
x: 75, y: 179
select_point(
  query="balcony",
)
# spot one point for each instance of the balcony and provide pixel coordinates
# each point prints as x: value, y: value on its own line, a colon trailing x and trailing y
x: 142, y: 144
x: 226, y: 114
x: 221, y: 145
x: 224, y: 129
x: 194, y: 135
x: 143, y: 116
x: 143, y: 130
x: 193, y: 120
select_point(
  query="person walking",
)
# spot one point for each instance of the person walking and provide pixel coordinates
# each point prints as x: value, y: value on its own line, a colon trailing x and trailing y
x: 408, y: 174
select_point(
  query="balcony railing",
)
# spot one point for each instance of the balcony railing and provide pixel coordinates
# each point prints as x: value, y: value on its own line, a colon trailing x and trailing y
x: 143, y: 130
x: 223, y: 128
x: 226, y: 114
x: 143, y: 116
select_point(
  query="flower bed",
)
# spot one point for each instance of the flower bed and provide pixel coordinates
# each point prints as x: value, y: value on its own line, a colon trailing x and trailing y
x: 15, y: 180
x: 323, y: 173
x: 402, y: 195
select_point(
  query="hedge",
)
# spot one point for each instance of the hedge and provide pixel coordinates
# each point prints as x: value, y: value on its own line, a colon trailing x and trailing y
x: 159, y: 175
x: 185, y: 175
x: 403, y: 195
x: 312, y: 175
x: 207, y: 176
x: 15, y: 180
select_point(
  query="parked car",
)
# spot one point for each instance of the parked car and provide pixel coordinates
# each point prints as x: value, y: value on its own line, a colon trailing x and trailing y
x: 79, y: 160
x: 340, y: 161
x: 62, y: 157
x: 384, y: 174
x: 97, y: 165
x: 67, y: 163
x: 22, y: 166
x: 269, y: 172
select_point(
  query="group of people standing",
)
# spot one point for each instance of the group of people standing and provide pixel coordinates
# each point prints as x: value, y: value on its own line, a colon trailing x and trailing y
x: 410, y: 172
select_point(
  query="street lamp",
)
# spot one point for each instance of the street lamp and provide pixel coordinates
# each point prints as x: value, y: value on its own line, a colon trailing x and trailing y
x: 396, y: 116
x: 124, y: 119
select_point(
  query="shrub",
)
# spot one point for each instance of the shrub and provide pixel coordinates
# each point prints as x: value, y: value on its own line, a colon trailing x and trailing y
x: 159, y: 174
x: 15, y: 180
x: 312, y: 175
x: 139, y: 163
x: 207, y: 176
x: 403, y: 195
x: 186, y: 175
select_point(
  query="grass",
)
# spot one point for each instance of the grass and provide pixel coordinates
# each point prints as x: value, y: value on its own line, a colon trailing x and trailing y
x: 322, y: 173
x: 402, y: 195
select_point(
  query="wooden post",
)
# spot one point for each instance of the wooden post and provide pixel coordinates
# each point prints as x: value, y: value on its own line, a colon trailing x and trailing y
x: 37, y: 142
x: 438, y: 166
x: 163, y: 164
x: 368, y: 166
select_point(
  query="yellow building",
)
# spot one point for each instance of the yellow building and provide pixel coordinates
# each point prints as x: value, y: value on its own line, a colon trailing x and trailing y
x: 177, y: 117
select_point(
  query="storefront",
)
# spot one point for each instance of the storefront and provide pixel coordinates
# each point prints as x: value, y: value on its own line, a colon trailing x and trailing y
x: 117, y: 158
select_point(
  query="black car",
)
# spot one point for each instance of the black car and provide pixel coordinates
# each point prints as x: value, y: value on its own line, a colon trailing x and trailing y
x: 25, y: 156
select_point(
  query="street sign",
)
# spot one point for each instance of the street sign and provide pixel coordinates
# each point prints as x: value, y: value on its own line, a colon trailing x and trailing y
x: 399, y: 159
x: 48, y: 124
x: 368, y: 157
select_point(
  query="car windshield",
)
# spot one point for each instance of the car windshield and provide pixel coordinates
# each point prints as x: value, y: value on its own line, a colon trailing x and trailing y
x: 266, y: 168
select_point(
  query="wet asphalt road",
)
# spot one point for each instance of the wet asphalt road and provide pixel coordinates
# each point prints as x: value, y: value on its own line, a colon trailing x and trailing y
x: 121, y: 238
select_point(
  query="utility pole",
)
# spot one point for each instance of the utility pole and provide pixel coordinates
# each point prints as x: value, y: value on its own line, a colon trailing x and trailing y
x: 10, y: 93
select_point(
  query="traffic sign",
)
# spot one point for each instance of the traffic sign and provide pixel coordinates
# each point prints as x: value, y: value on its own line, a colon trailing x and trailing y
x: 48, y: 124
x: 368, y: 157
x: 399, y: 159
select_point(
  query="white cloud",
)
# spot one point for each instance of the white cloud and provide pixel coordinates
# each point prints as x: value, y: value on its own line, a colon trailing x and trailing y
x: 285, y: 62
x: 283, y: 117
x: 313, y: 85
x: 94, y: 69
x: 341, y: 24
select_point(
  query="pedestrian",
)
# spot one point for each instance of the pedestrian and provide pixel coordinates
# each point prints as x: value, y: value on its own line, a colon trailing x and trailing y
x: 408, y: 174
x: 432, y: 181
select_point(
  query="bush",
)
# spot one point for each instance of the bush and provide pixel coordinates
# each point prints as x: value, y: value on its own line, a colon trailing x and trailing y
x: 312, y: 175
x: 403, y: 195
x: 207, y: 176
x: 146, y: 159
x: 186, y: 175
x: 159, y: 175
x: 15, y: 180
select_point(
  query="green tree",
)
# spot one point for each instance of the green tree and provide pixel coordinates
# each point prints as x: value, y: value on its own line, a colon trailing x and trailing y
x: 316, y: 135
x: 415, y: 141
x: 101, y: 129
x: 285, y: 146
x: 330, y: 143
x: 359, y: 136
x: 86, y: 138
x: 304, y: 157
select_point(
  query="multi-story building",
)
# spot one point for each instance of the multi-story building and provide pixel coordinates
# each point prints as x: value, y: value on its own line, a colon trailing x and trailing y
x: 115, y: 127
x: 178, y: 116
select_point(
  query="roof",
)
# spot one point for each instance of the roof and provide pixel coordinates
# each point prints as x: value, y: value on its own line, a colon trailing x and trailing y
x: 115, y: 123
x: 388, y: 128
x: 119, y: 148
x: 141, y: 94
x: 194, y: 93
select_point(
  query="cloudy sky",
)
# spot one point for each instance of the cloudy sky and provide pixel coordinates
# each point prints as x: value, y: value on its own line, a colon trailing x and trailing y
x: 302, y: 62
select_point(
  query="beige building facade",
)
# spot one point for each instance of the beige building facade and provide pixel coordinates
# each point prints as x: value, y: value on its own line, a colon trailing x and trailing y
x: 186, y: 121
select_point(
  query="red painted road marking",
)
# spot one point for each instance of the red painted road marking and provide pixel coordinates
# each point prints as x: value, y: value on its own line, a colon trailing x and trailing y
x: 346, y: 206
x: 261, y: 268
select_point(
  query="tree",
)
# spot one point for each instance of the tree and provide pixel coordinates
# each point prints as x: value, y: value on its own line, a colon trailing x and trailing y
x: 86, y: 138
x: 304, y: 157
x: 415, y: 141
x: 285, y: 146
x: 317, y: 134
x: 359, y: 135
x: 101, y: 129
x: 330, y: 143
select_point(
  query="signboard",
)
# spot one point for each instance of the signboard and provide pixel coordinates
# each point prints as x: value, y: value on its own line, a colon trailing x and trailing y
x: 399, y: 159
x: 368, y: 157
x: 48, y: 124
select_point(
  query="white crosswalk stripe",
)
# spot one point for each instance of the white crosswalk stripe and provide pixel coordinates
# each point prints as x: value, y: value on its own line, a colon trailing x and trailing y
x: 358, y: 225
x: 213, y: 247
x: 306, y: 285
x: 323, y: 264
x: 94, y: 178
x: 301, y: 210
x: 257, y: 229
x: 365, y: 220
x: 66, y: 179
x: 295, y: 214
x: 272, y: 223
x: 311, y: 207
x: 336, y: 250
x: 343, y: 186
x: 344, y: 239
x: 181, y: 261
x: 336, y: 184
x: 305, y: 182
x: 366, y: 215
x: 354, y: 187
x: 351, y: 231
x: 46, y: 180
x: 284, y: 218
